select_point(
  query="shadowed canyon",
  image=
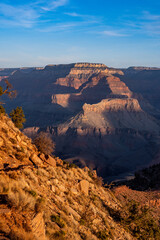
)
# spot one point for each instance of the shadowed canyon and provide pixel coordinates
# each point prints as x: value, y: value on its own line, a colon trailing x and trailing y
x: 100, y: 117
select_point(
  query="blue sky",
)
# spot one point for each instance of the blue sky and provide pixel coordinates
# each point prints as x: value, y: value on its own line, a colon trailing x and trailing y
x: 118, y: 33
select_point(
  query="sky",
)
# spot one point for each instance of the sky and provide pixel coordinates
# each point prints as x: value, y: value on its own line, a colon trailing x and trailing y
x: 118, y: 33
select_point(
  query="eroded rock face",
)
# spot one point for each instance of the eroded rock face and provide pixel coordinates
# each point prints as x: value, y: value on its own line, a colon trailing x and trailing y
x: 114, y: 114
x: 38, y: 227
x: 63, y: 89
x: 116, y: 105
x: 90, y: 89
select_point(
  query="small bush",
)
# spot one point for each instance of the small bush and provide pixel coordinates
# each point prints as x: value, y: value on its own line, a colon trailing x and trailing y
x: 102, y: 235
x: 20, y: 234
x: 29, y: 173
x: 98, y: 181
x: 57, y: 220
x: 42, y: 172
x: 58, y: 235
x: 18, y: 117
x: 2, y: 110
x: 140, y: 223
x: 44, y: 143
x: 72, y: 165
x: 82, y: 221
x: 39, y: 205
x: 33, y: 193
x: 69, y: 165
x: 20, y: 199
x: 114, y: 213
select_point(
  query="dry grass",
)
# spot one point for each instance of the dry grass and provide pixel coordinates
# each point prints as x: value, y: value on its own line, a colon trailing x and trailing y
x: 42, y: 172
x: 4, y: 184
x: 29, y: 173
x: 39, y: 206
x: 16, y: 195
x: 51, y: 171
x: 20, y: 234
x: 21, y: 200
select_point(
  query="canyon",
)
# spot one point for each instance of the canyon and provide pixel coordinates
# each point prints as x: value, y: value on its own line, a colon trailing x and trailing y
x: 100, y: 117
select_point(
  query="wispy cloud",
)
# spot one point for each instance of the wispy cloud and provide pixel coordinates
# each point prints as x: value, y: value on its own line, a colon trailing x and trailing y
x: 27, y: 15
x: 144, y: 24
x: 59, y: 27
x: 74, y: 14
x: 51, y: 5
x: 22, y: 16
x: 148, y: 16
x: 95, y: 19
x: 113, y: 33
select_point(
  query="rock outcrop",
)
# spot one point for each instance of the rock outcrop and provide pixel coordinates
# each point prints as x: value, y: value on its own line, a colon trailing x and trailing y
x: 62, y: 89
x: 61, y: 201
x: 40, y: 201
x: 114, y: 114
x: 90, y: 90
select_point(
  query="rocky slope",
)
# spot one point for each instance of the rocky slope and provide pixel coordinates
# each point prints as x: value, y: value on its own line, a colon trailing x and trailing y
x: 42, y: 197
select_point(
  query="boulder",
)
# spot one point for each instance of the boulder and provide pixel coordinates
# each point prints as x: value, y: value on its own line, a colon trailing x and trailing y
x: 19, y: 138
x: 53, y: 188
x: 74, y: 191
x: 35, y: 159
x: 50, y: 160
x: 84, y: 186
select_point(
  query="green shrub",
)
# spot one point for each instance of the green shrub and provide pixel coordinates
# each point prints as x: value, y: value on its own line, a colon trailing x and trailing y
x: 140, y: 223
x: 33, y: 193
x: 114, y: 213
x: 58, y: 235
x: 2, y: 110
x: 39, y: 204
x: 18, y: 117
x: 82, y: 221
x: 103, y: 235
x: 57, y: 220
x: 69, y: 165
